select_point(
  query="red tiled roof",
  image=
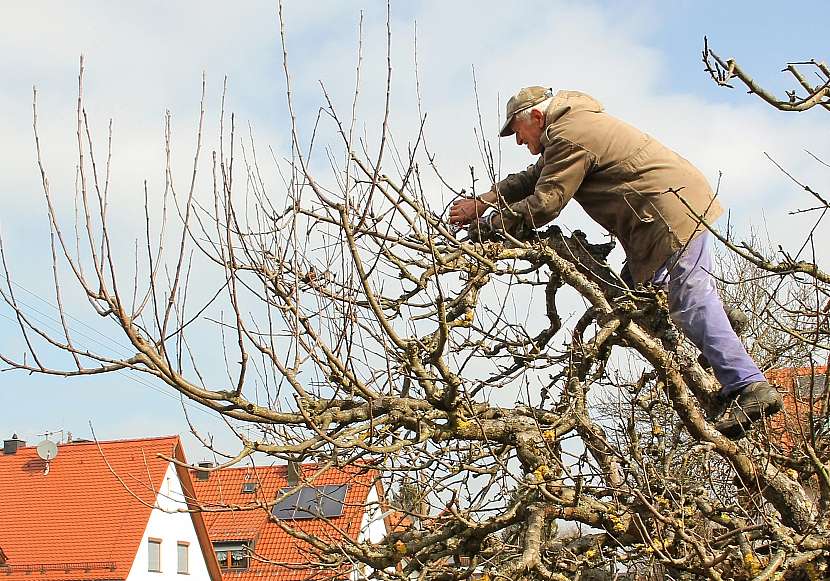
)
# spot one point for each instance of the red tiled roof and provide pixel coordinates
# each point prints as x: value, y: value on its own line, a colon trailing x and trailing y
x: 279, y: 556
x: 85, y: 518
x: 792, y: 426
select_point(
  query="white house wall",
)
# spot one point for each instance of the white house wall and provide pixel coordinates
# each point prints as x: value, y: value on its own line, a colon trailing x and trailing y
x: 372, y: 529
x: 171, y: 527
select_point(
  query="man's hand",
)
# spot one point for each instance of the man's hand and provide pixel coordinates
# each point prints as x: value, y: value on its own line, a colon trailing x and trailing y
x: 464, y: 210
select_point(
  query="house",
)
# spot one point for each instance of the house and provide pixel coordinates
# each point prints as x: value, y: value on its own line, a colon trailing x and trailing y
x: 332, y: 504
x: 804, y: 390
x: 90, y: 511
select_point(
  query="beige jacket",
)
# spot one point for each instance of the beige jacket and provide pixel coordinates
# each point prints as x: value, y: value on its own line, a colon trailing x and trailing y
x: 622, y: 177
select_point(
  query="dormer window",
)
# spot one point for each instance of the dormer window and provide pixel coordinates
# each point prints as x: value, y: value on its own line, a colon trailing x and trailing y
x: 233, y: 554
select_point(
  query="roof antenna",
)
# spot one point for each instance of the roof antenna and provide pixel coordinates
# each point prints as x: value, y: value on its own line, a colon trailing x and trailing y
x: 47, y: 450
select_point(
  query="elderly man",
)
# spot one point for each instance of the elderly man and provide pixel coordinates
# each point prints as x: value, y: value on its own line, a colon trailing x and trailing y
x: 629, y: 183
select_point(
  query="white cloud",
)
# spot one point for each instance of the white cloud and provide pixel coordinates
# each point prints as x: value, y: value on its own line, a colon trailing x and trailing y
x: 145, y: 58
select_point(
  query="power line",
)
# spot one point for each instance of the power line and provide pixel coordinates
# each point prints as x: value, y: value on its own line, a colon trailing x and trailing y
x: 110, y: 342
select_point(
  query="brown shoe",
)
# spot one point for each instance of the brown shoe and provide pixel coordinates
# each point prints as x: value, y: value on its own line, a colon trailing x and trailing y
x: 757, y: 400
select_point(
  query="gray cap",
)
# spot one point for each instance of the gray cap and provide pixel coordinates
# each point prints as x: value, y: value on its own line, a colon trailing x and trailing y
x: 524, y: 99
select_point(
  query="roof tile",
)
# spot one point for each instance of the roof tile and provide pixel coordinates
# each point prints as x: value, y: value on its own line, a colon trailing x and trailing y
x: 84, y: 519
x: 278, y: 554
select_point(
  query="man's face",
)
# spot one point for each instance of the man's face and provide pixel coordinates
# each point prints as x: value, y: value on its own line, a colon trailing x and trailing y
x: 529, y: 131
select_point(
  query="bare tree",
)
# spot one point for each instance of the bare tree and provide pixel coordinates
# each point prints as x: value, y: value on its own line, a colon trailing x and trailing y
x: 357, y: 327
x: 813, y: 78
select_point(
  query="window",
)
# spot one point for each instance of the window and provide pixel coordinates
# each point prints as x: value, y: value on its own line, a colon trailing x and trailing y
x: 233, y: 554
x: 808, y: 383
x: 311, y: 502
x: 182, y: 549
x: 248, y: 487
x: 154, y: 555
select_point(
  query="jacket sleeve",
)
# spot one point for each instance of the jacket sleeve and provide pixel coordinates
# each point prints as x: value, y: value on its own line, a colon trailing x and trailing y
x: 518, y: 186
x: 565, y: 165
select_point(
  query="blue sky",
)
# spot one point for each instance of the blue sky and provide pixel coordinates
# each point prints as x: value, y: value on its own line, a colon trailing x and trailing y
x: 641, y: 59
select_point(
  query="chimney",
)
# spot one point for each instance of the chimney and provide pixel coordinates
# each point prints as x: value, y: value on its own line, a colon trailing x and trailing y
x: 11, y: 446
x: 293, y: 473
x: 204, y: 474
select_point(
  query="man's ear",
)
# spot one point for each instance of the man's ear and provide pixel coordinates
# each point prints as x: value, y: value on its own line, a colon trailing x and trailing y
x: 537, y: 116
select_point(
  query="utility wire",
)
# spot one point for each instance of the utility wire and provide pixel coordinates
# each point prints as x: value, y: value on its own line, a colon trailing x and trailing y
x: 110, y: 342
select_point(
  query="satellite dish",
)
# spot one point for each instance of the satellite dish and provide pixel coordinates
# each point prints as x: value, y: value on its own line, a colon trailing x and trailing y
x: 47, y: 450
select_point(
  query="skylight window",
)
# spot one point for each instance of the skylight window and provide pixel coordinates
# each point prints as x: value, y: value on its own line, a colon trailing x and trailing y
x: 806, y: 383
x: 248, y: 487
x: 311, y: 502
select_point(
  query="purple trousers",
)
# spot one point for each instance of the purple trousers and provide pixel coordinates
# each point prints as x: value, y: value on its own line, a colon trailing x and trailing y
x: 696, y: 308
